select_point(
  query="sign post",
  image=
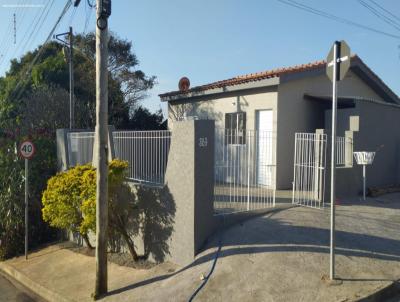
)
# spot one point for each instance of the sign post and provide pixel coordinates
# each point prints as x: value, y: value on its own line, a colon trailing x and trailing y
x: 27, y: 151
x: 337, y: 65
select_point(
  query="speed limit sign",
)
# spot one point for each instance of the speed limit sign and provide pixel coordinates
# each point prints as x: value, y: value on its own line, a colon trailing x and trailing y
x: 27, y: 149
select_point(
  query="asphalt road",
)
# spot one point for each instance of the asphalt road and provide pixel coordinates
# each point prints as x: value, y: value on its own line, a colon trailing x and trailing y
x: 9, y: 292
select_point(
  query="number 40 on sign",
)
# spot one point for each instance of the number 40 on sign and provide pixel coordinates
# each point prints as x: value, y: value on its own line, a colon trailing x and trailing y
x: 27, y: 149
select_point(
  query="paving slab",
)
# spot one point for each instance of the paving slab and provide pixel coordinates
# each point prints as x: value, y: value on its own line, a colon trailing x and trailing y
x: 281, y: 256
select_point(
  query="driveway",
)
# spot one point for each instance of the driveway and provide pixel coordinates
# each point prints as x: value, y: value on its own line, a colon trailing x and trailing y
x: 284, y: 256
x: 281, y: 256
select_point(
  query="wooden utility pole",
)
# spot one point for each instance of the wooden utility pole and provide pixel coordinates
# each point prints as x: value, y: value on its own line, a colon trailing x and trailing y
x: 101, y: 158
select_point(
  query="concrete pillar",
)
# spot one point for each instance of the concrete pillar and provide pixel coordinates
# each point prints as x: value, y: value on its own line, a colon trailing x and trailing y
x: 190, y: 182
x: 62, y: 149
x: 318, y: 162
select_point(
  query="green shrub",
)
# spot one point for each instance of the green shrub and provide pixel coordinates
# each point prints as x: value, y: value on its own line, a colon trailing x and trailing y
x: 70, y: 202
x: 62, y: 200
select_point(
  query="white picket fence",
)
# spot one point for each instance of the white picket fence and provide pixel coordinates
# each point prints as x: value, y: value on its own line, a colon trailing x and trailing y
x: 244, y: 170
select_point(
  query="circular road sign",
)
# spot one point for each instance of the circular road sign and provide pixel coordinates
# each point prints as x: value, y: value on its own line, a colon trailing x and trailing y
x: 27, y: 149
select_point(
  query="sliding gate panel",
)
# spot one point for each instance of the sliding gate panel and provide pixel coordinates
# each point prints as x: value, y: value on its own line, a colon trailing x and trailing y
x: 309, y: 169
x: 244, y: 170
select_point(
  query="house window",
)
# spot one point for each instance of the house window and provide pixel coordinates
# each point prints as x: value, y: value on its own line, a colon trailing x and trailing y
x: 235, y: 128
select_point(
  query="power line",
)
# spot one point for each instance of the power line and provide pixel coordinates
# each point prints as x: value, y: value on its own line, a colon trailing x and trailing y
x: 26, y: 73
x: 381, y: 16
x: 7, y: 38
x: 385, y: 10
x: 88, y: 15
x: 35, y: 19
x: 335, y: 18
x: 35, y: 31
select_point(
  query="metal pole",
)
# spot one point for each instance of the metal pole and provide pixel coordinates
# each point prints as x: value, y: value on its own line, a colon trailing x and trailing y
x: 364, y: 182
x: 101, y: 153
x: 333, y: 157
x: 26, y: 208
x: 248, y: 169
x: 71, y: 80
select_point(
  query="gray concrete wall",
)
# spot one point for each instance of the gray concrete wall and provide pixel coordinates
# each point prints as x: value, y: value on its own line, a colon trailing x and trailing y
x: 190, y: 181
x: 377, y: 127
x: 295, y: 114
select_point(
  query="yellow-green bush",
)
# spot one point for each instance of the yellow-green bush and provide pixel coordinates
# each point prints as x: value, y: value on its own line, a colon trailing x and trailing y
x: 116, y: 176
x: 62, y: 200
x: 69, y: 201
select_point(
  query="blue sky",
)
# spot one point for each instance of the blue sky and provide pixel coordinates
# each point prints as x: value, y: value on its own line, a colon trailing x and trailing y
x: 212, y: 40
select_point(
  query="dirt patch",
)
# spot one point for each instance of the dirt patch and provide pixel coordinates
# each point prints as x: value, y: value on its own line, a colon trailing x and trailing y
x: 123, y: 259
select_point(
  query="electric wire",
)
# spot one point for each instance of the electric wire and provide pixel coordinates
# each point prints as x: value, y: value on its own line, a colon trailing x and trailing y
x: 34, y: 19
x: 380, y: 15
x: 88, y: 17
x: 385, y: 10
x: 25, y: 74
x: 6, y: 41
x: 35, y: 31
x: 335, y: 18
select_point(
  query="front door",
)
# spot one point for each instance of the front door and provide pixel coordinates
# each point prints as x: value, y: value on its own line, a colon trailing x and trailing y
x: 264, y: 147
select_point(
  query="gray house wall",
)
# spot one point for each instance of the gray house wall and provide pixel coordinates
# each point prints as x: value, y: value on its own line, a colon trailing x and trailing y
x: 295, y: 114
x: 377, y: 131
x: 292, y: 112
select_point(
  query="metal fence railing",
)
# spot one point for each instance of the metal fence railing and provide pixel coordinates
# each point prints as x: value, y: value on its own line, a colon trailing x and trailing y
x: 344, y: 151
x: 244, y: 170
x: 146, y: 153
x: 309, y: 169
x: 80, y: 147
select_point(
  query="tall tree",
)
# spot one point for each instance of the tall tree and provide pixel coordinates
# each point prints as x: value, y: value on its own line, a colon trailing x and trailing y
x: 34, y: 104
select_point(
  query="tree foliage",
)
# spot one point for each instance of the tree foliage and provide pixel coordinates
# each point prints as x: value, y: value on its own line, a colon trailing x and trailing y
x: 33, y: 105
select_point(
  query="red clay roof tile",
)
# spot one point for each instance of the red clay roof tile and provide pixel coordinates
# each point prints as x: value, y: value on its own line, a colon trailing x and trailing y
x: 252, y: 77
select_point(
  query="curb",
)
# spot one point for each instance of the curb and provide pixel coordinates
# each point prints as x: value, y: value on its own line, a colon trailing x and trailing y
x: 36, y: 288
x: 383, y: 294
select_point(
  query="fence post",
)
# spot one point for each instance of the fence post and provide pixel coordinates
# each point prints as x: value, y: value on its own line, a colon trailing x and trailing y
x: 319, y: 147
x: 348, y: 148
x: 111, y: 147
x: 248, y: 170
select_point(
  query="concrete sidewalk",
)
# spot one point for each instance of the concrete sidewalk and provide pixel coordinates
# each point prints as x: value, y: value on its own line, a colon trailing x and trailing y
x: 282, y: 256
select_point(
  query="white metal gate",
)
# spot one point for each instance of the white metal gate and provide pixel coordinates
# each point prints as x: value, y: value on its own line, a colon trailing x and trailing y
x: 309, y: 169
x: 80, y: 148
x: 244, y: 170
